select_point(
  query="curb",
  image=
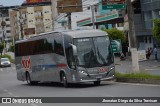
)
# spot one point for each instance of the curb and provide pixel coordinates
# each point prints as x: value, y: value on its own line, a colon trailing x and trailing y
x: 139, y: 80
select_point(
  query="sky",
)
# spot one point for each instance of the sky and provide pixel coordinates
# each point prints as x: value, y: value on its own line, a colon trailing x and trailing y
x: 11, y: 2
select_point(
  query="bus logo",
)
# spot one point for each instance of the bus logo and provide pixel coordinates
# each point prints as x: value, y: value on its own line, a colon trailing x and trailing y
x: 102, y: 70
x: 26, y: 63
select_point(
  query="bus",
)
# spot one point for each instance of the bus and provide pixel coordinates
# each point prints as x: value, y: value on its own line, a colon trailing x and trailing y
x: 66, y: 57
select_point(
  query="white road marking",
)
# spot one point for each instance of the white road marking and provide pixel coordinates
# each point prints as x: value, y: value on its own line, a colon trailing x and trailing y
x: 10, y: 93
x: 34, y: 105
x: 150, y: 69
x: 138, y: 84
x: 16, y: 96
x: 5, y: 90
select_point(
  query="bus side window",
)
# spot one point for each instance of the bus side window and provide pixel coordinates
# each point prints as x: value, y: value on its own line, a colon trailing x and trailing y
x: 69, y: 53
x: 58, y: 45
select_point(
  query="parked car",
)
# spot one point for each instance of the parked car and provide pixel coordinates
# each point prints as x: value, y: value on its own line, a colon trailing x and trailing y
x: 5, y: 62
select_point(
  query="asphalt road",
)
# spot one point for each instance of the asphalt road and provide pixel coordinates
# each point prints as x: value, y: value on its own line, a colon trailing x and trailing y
x: 11, y: 87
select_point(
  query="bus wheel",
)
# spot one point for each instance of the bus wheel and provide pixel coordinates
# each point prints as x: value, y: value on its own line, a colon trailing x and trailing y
x: 97, y: 83
x: 28, y: 78
x: 64, y: 80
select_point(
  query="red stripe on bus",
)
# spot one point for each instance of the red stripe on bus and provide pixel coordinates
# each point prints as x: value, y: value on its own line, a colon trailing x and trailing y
x: 61, y: 65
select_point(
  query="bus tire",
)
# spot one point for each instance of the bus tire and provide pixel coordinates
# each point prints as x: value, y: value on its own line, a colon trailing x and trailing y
x: 28, y: 79
x: 96, y: 83
x: 64, y: 80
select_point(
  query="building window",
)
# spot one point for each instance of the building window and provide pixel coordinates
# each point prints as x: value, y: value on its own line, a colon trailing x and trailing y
x: 145, y: 39
x: 8, y: 31
x: 7, y: 25
x: 31, y: 21
x: 46, y: 12
x: 150, y: 39
x: 7, y: 19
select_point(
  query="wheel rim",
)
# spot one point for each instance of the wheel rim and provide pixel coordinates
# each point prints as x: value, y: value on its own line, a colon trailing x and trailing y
x: 64, y: 80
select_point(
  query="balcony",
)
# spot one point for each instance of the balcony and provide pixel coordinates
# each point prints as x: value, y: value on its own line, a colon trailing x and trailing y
x: 40, y: 23
x: 40, y: 30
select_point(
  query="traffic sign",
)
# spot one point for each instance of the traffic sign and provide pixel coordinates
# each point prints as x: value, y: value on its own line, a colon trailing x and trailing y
x: 116, y: 46
x: 67, y: 6
x: 114, y: 6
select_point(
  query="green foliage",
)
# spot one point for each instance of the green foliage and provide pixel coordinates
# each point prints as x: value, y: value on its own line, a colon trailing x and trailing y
x: 1, y: 47
x: 137, y: 75
x: 11, y: 48
x: 7, y: 56
x: 156, y: 29
x: 116, y: 34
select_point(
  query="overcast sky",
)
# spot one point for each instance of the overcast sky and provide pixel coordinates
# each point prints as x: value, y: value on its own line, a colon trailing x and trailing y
x: 11, y: 2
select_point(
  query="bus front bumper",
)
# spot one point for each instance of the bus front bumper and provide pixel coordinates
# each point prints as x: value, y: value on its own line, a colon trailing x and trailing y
x: 98, y: 79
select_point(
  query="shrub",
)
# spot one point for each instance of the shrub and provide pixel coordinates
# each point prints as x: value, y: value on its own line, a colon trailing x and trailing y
x: 7, y: 56
x: 115, y: 34
x: 11, y: 48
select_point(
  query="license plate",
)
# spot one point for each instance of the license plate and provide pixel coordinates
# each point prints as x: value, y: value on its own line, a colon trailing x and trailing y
x: 99, y: 77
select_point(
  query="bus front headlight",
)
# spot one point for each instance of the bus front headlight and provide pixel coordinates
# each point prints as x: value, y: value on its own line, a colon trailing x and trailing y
x: 83, y: 72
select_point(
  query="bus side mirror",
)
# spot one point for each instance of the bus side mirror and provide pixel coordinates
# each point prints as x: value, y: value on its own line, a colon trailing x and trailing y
x: 74, y: 50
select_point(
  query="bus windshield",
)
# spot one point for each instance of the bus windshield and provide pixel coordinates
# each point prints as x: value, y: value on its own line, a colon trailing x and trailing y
x: 93, y: 52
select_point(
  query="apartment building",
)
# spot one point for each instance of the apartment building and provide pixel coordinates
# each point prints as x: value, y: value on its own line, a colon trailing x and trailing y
x: 29, y: 21
x: 5, y: 29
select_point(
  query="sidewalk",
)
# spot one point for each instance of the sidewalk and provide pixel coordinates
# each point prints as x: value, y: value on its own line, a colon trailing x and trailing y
x: 150, y: 66
x: 11, y: 54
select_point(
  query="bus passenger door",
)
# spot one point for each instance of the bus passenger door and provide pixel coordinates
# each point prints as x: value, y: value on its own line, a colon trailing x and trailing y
x: 39, y: 71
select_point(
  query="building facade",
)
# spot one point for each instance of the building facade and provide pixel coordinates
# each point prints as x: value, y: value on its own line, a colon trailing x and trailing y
x: 5, y: 28
x: 30, y: 21
x: 61, y: 20
x: 145, y: 12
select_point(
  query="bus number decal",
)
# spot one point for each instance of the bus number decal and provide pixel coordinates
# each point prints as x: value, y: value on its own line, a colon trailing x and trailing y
x: 26, y: 63
x: 102, y: 70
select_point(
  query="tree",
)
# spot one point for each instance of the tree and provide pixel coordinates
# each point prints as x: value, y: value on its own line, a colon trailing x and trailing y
x: 11, y: 48
x: 116, y: 34
x: 156, y: 29
x: 1, y: 48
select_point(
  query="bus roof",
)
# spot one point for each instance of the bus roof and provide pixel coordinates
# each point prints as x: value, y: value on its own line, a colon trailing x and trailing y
x: 85, y: 33
x: 72, y: 34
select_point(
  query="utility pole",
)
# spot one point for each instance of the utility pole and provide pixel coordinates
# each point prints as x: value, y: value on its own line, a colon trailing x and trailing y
x: 69, y: 21
x: 54, y: 11
x: 21, y: 23
x: 132, y: 37
x: 93, y: 16
x: 3, y: 24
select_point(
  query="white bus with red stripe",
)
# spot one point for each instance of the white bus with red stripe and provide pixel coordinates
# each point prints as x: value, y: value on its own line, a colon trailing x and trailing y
x: 66, y: 57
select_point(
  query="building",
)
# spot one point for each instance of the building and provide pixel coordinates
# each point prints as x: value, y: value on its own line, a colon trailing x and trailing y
x: 5, y: 28
x: 61, y: 21
x: 31, y: 20
x: 36, y: 1
x: 106, y: 18
x: 145, y: 11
